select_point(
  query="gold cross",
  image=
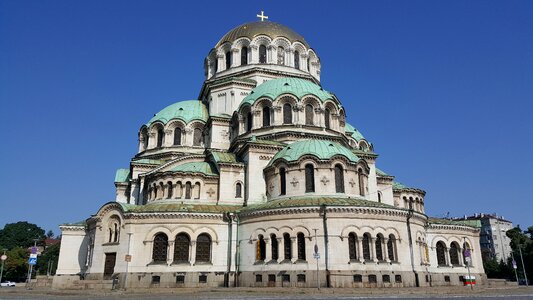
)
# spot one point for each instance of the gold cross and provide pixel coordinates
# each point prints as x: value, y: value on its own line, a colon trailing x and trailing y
x: 262, y: 16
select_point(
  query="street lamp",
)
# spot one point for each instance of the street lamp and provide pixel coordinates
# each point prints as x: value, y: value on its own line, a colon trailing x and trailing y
x: 4, y: 257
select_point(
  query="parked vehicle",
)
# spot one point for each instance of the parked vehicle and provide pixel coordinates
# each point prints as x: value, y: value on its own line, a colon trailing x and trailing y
x: 7, y: 283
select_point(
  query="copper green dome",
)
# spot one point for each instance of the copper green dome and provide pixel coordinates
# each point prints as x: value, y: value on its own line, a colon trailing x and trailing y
x: 270, y: 29
x: 298, y: 87
x: 356, y: 134
x: 321, y: 149
x: 186, y: 111
x: 196, y: 167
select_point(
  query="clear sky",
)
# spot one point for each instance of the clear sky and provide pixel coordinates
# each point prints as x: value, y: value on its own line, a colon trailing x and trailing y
x: 443, y: 89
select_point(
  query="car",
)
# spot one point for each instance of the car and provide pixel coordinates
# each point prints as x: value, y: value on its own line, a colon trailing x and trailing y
x: 7, y: 283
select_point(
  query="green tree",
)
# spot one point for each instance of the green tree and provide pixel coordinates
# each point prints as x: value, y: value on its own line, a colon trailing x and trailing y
x: 520, y: 241
x: 20, y: 234
x: 16, y: 266
x: 49, y: 234
x: 48, y: 259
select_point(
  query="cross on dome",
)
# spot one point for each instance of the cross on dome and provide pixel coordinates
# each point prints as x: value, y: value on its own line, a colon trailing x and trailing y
x: 262, y: 16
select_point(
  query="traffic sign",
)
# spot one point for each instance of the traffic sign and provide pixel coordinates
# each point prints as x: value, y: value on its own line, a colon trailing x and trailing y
x: 32, y: 261
x: 316, y: 255
x: 33, y: 250
x: 3, y: 257
x: 33, y: 255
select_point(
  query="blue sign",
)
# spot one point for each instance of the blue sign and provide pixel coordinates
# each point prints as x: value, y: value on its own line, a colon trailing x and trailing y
x: 32, y: 261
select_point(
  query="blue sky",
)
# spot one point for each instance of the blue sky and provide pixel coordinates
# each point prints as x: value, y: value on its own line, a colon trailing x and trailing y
x: 443, y: 89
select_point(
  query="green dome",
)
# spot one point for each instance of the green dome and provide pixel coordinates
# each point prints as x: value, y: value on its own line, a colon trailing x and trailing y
x: 322, y: 149
x: 295, y: 86
x: 356, y: 134
x: 196, y: 167
x: 186, y: 111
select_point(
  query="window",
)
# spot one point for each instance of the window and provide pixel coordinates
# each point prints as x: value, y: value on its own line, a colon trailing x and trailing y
x: 308, y: 64
x: 372, y: 279
x: 358, y: 278
x: 159, y: 254
x: 454, y: 254
x: 181, y: 248
x: 202, y: 278
x: 379, y: 197
x: 238, y: 190
x: 441, y: 254
x: 309, y: 114
x: 266, y: 116
x: 244, y: 56
x: 180, y: 279
x: 258, y: 278
x: 170, y: 188
x: 197, y: 137
x: 156, y: 279
x: 300, y: 239
x: 287, y: 113
x: 281, y: 56
x: 177, y: 136
x: 297, y: 59
x: 160, y: 136
x: 228, y: 60
x: 300, y: 278
x: 188, y: 188
x: 386, y: 278
x: 327, y: 116
x: 447, y: 278
x: 339, y: 179
x: 203, y: 248
x: 352, y: 245
x: 366, y: 246
x: 379, y: 247
x: 249, y: 121
x: 287, y: 248
x: 274, y: 247
x: 271, y: 278
x: 309, y: 178
x: 286, y: 278
x: 282, y: 181
x: 262, y: 54
x: 260, y: 250
x: 361, y: 180
x: 391, y: 243
x: 398, y: 278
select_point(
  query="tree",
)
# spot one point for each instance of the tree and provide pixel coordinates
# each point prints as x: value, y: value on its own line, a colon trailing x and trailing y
x: 20, y: 234
x: 48, y: 259
x: 16, y: 266
x: 49, y: 234
x: 521, y: 242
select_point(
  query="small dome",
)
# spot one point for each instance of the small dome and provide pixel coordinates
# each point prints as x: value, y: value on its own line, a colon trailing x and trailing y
x: 352, y: 131
x: 295, y: 86
x: 186, y: 111
x: 321, y: 149
x: 253, y: 29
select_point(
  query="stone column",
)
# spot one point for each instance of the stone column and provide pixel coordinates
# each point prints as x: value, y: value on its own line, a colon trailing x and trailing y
x: 221, y: 62
x: 241, y: 124
x: 373, y: 249
x: 257, y: 122
x: 268, y: 250
x: 169, y: 139
x: 280, y: 250
x: 151, y: 140
x: 254, y: 54
x: 193, y: 253
x: 294, y: 249
x: 278, y: 116
x: 235, y: 57
x: 360, y: 249
x: 386, y: 248
x: 170, y: 252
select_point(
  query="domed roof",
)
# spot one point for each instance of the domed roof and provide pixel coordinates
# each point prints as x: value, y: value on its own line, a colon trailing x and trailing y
x: 184, y: 110
x: 356, y: 134
x: 295, y: 86
x: 196, y: 167
x: 321, y: 149
x: 253, y: 29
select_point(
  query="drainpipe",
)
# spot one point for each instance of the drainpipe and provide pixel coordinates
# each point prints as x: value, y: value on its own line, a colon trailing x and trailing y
x: 326, y: 243
x: 228, y: 217
x: 237, y: 251
x: 409, y: 216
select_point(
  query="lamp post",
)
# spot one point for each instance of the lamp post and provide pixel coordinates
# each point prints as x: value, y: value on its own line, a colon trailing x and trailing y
x: 468, y: 258
x: 128, y: 258
x: 523, y: 266
x: 4, y: 257
x: 317, y: 257
x: 30, y: 271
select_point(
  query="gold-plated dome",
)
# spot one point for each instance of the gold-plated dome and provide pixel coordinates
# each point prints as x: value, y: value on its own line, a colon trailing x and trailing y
x: 253, y: 29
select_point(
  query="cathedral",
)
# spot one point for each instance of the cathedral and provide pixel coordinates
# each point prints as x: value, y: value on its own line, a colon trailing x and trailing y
x: 261, y: 182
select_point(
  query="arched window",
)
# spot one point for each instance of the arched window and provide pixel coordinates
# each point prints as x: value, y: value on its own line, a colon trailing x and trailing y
x: 287, y: 113
x: 274, y: 247
x: 297, y: 59
x: 352, y: 245
x: 177, y: 136
x: 308, y: 64
x: 300, y: 239
x: 366, y: 246
x: 188, y: 190
x: 327, y: 117
x: 249, y: 121
x: 181, y: 248
x: 262, y: 54
x: 339, y: 179
x: 244, y: 56
x: 309, y: 114
x: 144, y: 138
x: 159, y: 253
x: 197, y: 137
x: 283, y: 182
x: 391, y: 244
x: 454, y: 254
x: 228, y: 60
x: 238, y: 190
x: 287, y: 246
x: 379, y: 247
x: 379, y: 197
x: 361, y: 180
x: 197, y: 190
x: 160, y: 136
x: 170, y: 190
x: 203, y: 248
x: 281, y: 56
x: 309, y: 178
x: 266, y: 116
x: 260, y: 248
x: 441, y: 254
